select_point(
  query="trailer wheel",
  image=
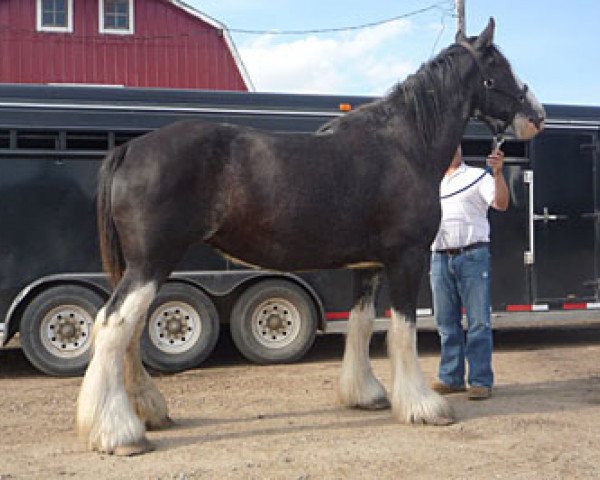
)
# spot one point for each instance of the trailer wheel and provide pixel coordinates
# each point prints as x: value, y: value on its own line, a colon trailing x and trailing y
x: 182, y: 329
x: 273, y: 321
x: 56, y: 328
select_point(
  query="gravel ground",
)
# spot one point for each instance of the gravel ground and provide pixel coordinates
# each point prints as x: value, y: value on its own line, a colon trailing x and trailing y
x: 240, y: 421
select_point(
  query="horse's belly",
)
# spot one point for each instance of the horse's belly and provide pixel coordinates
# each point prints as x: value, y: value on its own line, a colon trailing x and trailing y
x: 291, y: 254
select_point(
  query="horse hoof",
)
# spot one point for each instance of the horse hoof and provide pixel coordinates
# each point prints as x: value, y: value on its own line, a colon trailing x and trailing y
x: 161, y: 424
x: 132, y: 449
x: 441, y: 421
x: 378, y: 404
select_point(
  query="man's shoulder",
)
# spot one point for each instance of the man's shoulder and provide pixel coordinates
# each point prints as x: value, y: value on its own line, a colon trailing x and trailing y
x: 471, y: 173
x: 474, y: 170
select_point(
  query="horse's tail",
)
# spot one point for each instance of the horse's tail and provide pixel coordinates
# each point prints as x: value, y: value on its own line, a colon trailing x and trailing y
x: 113, y: 262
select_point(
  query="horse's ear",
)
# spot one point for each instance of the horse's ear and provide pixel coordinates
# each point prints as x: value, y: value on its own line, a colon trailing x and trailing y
x: 486, y: 38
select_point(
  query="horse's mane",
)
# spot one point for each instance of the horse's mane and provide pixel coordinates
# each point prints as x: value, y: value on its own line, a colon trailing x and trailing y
x: 420, y: 97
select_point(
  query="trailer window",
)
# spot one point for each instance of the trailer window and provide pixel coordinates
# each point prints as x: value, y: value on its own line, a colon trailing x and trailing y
x: 123, y: 137
x: 4, y: 139
x: 481, y: 148
x: 87, y: 141
x: 37, y: 140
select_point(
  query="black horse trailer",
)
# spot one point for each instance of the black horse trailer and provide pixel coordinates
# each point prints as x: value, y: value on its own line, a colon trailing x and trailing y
x: 546, y: 248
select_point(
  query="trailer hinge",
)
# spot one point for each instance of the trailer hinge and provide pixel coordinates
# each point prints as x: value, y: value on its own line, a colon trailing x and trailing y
x: 528, y: 176
x: 528, y: 258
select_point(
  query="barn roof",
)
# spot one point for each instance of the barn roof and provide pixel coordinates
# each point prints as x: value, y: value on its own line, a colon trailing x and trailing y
x: 228, y: 40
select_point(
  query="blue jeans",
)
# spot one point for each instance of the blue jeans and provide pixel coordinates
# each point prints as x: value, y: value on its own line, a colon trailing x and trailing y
x: 458, y: 280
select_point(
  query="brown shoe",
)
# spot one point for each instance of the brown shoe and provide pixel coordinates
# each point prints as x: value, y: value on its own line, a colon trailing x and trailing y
x: 479, y: 393
x: 444, y: 389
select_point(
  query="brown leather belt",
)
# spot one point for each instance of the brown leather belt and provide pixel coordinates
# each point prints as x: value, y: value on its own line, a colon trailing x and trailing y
x: 459, y: 250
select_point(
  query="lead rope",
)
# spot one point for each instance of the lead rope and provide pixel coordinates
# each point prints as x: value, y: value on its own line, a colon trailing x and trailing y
x: 443, y: 197
x: 497, y: 142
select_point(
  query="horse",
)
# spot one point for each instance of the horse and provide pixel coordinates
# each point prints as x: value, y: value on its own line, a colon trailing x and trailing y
x: 361, y: 192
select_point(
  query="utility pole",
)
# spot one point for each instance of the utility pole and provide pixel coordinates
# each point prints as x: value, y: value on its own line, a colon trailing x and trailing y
x: 460, y: 16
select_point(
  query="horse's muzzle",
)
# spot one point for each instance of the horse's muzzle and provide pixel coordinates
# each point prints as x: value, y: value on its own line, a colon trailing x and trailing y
x: 527, y: 127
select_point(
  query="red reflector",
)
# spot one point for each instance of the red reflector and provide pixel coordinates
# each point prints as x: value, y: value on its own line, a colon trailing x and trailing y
x: 574, y: 306
x: 345, y: 107
x: 518, y: 308
x: 337, y: 315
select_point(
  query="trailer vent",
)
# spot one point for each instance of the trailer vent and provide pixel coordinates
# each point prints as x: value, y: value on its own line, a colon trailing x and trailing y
x: 37, y: 140
x: 4, y: 139
x: 87, y: 141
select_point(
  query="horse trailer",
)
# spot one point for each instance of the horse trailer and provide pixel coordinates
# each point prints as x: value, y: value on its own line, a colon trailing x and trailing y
x: 545, y: 248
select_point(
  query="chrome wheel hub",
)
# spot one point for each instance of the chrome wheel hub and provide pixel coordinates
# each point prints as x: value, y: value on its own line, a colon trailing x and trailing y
x: 175, y: 327
x: 66, y: 330
x: 276, y: 323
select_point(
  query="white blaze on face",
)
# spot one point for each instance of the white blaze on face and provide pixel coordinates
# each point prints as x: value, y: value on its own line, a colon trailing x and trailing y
x: 523, y: 127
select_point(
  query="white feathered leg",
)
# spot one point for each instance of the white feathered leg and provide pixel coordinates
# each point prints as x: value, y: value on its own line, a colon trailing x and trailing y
x: 412, y: 400
x: 148, y: 403
x: 105, y: 416
x: 359, y: 388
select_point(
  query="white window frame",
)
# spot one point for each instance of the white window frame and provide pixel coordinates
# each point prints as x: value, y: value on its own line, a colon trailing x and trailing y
x: 115, y: 31
x: 44, y: 28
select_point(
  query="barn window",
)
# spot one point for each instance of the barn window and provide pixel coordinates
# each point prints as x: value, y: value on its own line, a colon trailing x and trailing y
x: 55, y: 15
x: 116, y: 16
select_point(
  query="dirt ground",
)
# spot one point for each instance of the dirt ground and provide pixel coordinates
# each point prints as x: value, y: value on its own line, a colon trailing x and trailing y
x: 236, y: 420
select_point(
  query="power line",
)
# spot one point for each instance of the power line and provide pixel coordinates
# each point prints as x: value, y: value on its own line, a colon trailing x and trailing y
x: 442, y: 6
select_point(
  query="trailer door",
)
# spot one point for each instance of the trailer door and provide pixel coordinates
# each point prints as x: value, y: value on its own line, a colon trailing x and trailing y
x: 565, y: 217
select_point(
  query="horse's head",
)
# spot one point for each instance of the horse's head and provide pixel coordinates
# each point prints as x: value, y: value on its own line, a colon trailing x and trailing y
x: 501, y: 99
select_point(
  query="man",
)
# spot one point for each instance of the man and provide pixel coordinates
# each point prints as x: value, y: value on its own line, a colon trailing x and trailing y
x: 460, y: 274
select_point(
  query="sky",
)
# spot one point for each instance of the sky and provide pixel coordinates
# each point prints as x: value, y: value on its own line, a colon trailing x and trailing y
x: 553, y: 46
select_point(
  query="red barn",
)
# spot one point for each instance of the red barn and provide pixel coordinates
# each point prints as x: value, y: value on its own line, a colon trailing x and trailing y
x: 136, y: 43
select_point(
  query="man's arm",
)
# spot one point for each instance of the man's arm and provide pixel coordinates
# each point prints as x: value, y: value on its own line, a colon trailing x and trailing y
x: 501, y: 198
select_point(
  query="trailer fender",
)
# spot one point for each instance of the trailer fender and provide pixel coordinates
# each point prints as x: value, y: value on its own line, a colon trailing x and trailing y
x: 222, y: 284
x: 10, y: 325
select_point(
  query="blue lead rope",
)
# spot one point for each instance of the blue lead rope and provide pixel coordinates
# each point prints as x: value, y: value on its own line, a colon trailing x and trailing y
x: 487, y: 170
x: 497, y: 142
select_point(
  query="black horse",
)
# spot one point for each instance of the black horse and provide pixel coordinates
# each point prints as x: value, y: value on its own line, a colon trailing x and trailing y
x: 362, y: 192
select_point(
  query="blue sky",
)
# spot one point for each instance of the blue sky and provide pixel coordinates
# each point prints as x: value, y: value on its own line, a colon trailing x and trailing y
x: 553, y: 46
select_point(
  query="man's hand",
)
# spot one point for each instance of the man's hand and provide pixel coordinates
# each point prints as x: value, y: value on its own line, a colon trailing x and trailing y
x: 495, y: 161
x: 501, y: 196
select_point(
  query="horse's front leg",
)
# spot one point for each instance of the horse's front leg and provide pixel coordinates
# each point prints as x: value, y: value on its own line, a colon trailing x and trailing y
x: 106, y: 418
x: 359, y: 388
x: 412, y: 399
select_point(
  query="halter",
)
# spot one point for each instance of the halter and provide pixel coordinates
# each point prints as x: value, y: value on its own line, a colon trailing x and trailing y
x: 489, y: 85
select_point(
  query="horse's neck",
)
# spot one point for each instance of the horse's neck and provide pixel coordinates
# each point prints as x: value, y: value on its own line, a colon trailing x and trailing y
x: 455, y: 114
x: 444, y: 146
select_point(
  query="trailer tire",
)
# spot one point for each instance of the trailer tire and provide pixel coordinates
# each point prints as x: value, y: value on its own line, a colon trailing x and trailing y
x: 182, y: 329
x: 273, y: 321
x: 56, y: 329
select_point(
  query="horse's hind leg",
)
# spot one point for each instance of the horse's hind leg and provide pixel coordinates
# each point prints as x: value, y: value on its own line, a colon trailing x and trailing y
x: 412, y: 399
x: 148, y: 403
x: 358, y: 386
x: 105, y: 416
